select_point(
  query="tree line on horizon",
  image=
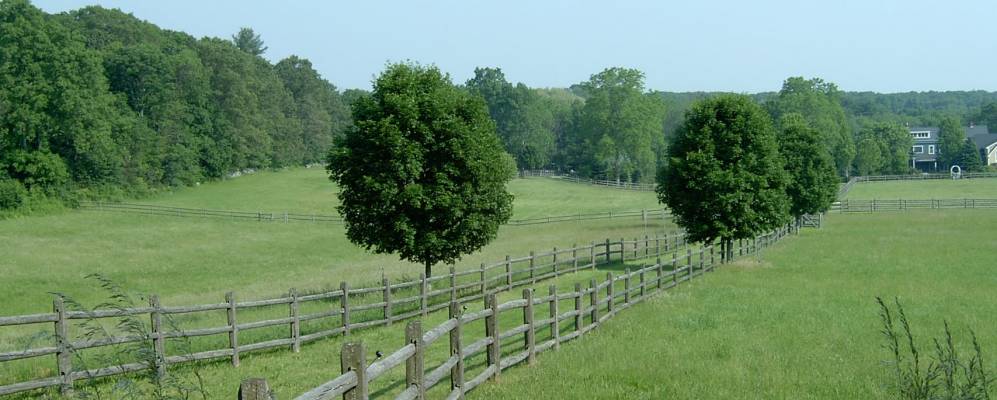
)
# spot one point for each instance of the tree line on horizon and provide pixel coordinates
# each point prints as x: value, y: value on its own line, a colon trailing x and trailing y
x: 97, y: 103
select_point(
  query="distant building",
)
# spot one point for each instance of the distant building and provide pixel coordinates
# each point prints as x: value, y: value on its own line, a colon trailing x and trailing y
x: 924, y: 153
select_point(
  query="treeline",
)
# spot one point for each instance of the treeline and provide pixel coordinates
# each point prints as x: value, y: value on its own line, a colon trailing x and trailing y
x: 96, y: 101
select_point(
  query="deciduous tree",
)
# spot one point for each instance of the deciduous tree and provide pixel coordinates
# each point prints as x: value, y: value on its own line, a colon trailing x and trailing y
x: 422, y: 173
x: 724, y: 178
x: 813, y: 180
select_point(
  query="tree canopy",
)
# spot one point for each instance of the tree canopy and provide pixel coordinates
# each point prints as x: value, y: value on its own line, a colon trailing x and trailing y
x: 813, y: 182
x: 951, y: 138
x: 248, y: 41
x: 619, y: 127
x: 422, y: 172
x: 105, y: 103
x: 724, y: 177
x: 819, y: 102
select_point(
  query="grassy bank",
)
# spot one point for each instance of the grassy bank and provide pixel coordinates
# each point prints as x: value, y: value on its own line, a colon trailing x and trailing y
x: 799, y: 323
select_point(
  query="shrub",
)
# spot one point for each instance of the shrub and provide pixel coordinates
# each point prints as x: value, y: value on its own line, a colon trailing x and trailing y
x: 12, y: 194
x: 37, y: 169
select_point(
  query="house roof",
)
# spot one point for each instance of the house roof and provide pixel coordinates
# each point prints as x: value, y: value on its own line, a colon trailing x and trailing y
x: 932, y: 134
x: 985, y: 140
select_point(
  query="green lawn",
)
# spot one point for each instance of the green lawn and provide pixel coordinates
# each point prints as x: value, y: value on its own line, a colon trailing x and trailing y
x: 800, y: 324
x: 983, y: 188
x: 308, y: 190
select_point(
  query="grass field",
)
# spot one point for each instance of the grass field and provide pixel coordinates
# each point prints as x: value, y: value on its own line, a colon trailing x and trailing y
x: 800, y: 323
x: 190, y: 260
x: 308, y: 191
x: 983, y: 188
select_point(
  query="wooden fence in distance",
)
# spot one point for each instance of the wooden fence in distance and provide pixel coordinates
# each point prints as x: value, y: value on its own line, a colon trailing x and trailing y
x: 647, y: 187
x: 335, y: 312
x: 287, y: 217
x: 603, y: 302
x: 877, y: 205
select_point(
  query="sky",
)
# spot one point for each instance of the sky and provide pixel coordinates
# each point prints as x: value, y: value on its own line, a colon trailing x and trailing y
x: 706, y: 45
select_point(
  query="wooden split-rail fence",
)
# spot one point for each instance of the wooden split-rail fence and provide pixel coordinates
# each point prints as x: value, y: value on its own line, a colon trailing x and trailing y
x: 588, y: 308
x: 287, y: 217
x: 645, y: 187
x: 309, y: 316
x: 877, y: 205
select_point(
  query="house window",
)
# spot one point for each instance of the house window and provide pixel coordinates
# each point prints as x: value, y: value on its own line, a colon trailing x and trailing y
x: 918, y: 149
x: 931, y: 149
x: 921, y: 134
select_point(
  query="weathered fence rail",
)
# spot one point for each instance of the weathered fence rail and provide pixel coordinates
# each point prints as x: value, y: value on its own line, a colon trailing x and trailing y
x: 309, y: 317
x: 877, y: 205
x: 648, y: 187
x: 604, y: 300
x: 964, y: 175
x: 286, y: 217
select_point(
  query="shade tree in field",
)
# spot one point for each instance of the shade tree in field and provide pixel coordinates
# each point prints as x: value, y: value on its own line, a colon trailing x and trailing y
x: 422, y: 172
x: 813, y: 181
x: 724, y: 178
x: 819, y: 102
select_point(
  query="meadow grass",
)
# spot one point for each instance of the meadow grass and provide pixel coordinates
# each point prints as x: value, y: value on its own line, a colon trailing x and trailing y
x: 800, y: 322
x: 309, y: 191
x: 982, y: 188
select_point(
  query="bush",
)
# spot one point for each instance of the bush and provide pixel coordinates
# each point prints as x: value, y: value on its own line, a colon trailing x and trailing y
x: 12, y: 194
x: 39, y: 169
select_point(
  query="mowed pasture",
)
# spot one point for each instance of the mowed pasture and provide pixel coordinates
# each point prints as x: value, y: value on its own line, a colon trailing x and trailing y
x: 191, y: 260
x: 981, y: 188
x: 799, y: 322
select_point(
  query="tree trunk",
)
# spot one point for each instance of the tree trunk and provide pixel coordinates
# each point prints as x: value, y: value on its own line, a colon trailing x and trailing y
x: 429, y: 269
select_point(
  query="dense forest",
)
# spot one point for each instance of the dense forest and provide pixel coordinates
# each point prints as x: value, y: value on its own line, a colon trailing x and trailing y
x: 97, y: 103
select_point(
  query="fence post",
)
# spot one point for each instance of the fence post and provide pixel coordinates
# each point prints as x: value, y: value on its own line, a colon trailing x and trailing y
x: 675, y: 271
x: 344, y: 302
x: 530, y: 329
x: 607, y: 250
x: 555, y: 261
x: 657, y: 244
x: 233, y: 333
x: 484, y: 285
x: 457, y: 371
x: 688, y: 261
x: 354, y: 358
x: 158, y: 347
x: 555, y: 326
x: 594, y: 299
x: 609, y: 293
x: 635, y: 247
x: 387, y: 300
x: 453, y: 284
x: 660, y: 272
x: 642, y: 283
x: 63, y: 348
x: 254, y: 389
x: 491, y: 330
x: 423, y: 294
x: 415, y: 365
x: 574, y: 257
x: 533, y: 276
x: 647, y: 248
x: 702, y: 257
x: 592, y: 255
x: 508, y: 272
x: 626, y: 288
x: 667, y: 241
x: 295, y: 321
x: 578, y: 307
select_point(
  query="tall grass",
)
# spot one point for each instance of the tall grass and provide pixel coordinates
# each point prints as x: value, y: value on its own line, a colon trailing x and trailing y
x: 947, y: 376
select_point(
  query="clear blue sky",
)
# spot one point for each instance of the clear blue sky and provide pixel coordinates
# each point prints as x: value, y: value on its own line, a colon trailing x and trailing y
x: 741, y: 46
